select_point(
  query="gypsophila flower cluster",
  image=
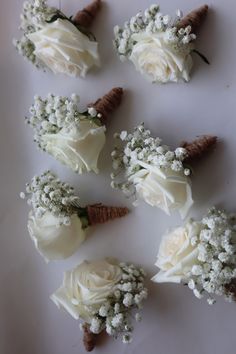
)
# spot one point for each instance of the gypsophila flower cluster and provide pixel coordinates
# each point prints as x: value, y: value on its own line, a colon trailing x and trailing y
x: 114, y: 316
x: 152, y: 21
x: 35, y: 14
x: 50, y: 115
x: 26, y: 48
x: 47, y: 193
x: 138, y: 151
x: 216, y: 266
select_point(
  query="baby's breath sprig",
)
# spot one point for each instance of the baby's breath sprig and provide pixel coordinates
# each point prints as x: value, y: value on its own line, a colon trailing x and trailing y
x: 35, y: 14
x: 140, y: 150
x: 47, y: 193
x: 50, y: 115
x: 115, y: 316
x: 26, y: 48
x: 150, y: 22
x: 216, y: 267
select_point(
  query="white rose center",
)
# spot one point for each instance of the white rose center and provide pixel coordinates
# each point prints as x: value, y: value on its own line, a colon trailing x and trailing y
x: 64, y: 49
x: 158, y: 60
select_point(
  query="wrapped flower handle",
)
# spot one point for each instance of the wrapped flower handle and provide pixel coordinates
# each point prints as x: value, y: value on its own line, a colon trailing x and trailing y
x: 89, y: 338
x: 108, y: 103
x: 100, y: 214
x: 194, y: 19
x: 199, y: 147
x: 85, y: 17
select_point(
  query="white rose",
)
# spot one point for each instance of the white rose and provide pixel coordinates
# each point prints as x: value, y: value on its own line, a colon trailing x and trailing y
x: 87, y: 287
x: 164, y: 188
x: 77, y: 146
x: 64, y: 49
x: 176, y: 254
x: 158, y: 61
x: 52, y: 240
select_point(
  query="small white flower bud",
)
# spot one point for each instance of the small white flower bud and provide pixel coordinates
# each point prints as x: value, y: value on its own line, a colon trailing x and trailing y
x: 92, y: 111
x: 211, y: 301
x: 197, y: 294
x: 22, y: 195
x: 75, y: 98
x: 123, y: 135
x: 179, y: 13
x: 197, y: 270
x: 187, y: 172
x: 191, y: 284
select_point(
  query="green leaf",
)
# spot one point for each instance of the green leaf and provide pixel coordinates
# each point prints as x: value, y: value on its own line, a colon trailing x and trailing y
x: 85, y: 31
x: 95, y: 120
x: 83, y: 215
x: 56, y: 17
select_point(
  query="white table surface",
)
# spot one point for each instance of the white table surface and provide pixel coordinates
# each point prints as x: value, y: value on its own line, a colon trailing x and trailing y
x: 174, y: 321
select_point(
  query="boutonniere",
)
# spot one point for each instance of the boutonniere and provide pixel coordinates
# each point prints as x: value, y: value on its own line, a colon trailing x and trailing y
x: 103, y: 294
x: 151, y: 171
x: 57, y: 222
x: 54, y: 41
x: 160, y: 48
x: 73, y: 137
x: 202, y: 255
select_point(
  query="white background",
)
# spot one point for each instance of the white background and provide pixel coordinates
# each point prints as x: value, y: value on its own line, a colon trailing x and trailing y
x: 174, y: 322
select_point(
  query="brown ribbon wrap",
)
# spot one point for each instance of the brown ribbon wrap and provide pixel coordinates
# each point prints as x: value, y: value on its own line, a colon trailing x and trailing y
x: 89, y: 338
x: 108, y: 103
x: 199, y: 147
x: 85, y: 17
x: 194, y: 19
x: 100, y: 214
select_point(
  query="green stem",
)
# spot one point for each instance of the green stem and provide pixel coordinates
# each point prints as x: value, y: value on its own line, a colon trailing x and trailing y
x: 201, y: 56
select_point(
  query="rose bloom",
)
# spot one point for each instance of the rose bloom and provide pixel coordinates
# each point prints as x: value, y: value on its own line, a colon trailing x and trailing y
x: 52, y: 240
x: 163, y: 188
x: 77, y: 147
x: 158, y: 61
x: 64, y: 49
x: 87, y: 287
x: 177, y: 255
